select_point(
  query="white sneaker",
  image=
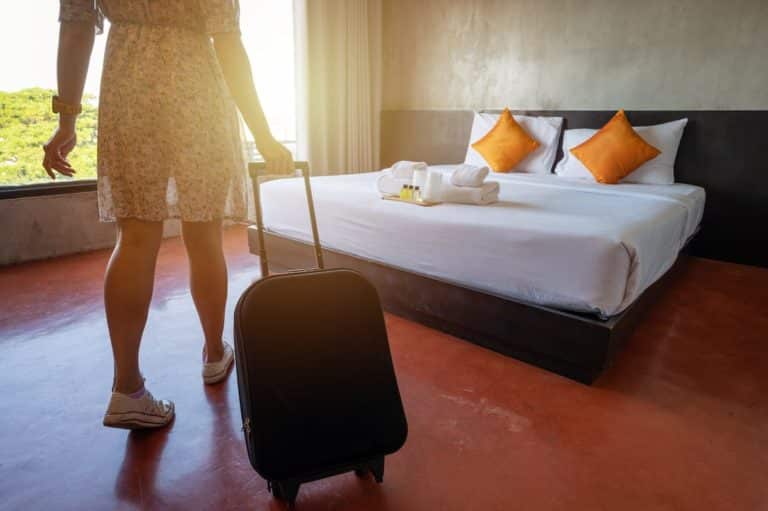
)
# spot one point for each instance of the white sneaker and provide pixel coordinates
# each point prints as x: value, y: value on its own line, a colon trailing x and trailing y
x: 138, y: 413
x: 214, y: 372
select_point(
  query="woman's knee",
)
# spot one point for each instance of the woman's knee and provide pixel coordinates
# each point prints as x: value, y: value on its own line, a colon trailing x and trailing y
x: 139, y: 235
x: 202, y: 236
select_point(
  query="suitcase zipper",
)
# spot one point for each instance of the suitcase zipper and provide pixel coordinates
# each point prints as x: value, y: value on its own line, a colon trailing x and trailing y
x: 246, y: 425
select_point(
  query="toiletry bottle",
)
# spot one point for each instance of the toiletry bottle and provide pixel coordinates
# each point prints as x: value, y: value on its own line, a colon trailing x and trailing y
x: 417, y: 194
x: 404, y: 192
x: 408, y: 192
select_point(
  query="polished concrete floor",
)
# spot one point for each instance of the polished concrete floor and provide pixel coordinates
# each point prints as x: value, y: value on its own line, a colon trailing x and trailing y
x: 680, y: 422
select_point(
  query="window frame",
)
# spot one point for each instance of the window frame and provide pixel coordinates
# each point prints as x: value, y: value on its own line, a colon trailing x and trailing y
x: 43, y: 189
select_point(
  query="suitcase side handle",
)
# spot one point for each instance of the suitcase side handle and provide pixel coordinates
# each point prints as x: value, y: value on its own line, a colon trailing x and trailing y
x: 254, y: 168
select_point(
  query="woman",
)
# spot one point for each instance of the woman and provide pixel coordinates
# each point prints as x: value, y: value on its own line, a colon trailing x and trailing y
x: 169, y: 147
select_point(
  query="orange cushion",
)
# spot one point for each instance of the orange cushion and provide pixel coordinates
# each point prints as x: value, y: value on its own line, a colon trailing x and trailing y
x: 506, y: 145
x: 614, y: 151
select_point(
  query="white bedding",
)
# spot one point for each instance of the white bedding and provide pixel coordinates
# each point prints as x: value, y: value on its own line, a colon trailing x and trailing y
x: 553, y: 241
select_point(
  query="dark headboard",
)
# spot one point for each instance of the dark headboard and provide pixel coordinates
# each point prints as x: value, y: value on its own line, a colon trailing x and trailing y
x: 721, y: 151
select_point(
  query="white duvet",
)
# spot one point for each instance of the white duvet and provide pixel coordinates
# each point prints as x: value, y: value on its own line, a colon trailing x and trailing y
x: 554, y: 241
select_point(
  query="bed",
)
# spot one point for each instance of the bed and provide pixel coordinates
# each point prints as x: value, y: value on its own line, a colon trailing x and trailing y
x: 551, y: 241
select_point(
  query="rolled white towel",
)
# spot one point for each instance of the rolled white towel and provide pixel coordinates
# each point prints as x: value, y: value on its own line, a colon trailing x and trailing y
x: 486, y: 194
x: 404, y: 169
x: 389, y: 184
x: 469, y: 175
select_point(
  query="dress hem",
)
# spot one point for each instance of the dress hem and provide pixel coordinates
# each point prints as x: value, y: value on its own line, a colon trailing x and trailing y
x: 235, y: 219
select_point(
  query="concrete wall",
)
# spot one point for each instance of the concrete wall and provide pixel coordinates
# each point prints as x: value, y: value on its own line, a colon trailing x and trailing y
x: 52, y: 225
x: 576, y: 54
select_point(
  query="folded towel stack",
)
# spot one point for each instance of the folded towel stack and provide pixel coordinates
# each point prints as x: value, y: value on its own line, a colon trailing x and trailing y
x: 468, y: 186
x: 469, y: 175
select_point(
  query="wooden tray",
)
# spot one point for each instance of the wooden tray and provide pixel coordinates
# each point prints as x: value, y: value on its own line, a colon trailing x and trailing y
x: 423, y: 203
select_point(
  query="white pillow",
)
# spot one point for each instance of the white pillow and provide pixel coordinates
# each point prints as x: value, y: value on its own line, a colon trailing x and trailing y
x: 658, y: 171
x: 545, y: 130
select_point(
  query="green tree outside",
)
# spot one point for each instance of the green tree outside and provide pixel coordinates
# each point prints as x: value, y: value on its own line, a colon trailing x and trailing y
x: 26, y: 123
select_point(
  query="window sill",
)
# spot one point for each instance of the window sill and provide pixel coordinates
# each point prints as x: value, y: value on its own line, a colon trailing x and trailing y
x: 53, y: 188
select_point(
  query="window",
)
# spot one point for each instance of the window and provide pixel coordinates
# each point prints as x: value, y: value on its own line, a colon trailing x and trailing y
x: 28, y: 80
x: 267, y: 27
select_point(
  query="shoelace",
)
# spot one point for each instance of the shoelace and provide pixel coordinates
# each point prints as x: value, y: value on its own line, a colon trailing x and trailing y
x: 152, y: 405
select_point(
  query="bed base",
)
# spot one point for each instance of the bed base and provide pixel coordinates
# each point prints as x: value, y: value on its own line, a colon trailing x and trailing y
x: 576, y: 346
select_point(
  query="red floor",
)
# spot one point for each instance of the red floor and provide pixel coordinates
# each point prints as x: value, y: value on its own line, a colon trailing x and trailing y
x: 680, y: 422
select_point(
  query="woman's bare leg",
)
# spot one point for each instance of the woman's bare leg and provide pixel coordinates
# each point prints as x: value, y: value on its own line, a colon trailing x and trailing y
x: 208, y: 281
x: 128, y: 287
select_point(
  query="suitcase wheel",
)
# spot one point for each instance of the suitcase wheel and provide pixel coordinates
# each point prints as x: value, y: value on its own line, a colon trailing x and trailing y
x: 375, y: 467
x: 284, y: 490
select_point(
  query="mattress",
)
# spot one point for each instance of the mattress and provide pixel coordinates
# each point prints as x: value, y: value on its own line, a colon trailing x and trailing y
x: 563, y: 243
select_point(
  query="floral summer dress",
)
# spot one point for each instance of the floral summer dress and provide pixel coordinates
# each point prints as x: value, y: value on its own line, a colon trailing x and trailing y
x: 169, y: 135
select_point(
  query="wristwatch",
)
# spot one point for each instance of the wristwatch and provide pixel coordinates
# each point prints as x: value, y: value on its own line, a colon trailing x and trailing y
x: 59, y: 107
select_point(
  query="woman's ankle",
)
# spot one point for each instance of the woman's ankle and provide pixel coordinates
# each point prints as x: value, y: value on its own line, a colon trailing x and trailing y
x: 213, y: 352
x: 128, y: 387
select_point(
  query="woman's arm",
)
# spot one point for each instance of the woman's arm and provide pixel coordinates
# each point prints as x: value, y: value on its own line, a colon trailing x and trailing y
x: 237, y: 73
x: 75, y: 46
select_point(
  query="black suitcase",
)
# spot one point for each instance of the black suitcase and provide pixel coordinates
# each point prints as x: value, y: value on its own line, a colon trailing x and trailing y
x: 318, y: 393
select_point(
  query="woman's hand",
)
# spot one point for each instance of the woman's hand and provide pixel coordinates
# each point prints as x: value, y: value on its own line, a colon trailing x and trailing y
x: 278, y: 158
x: 57, y: 149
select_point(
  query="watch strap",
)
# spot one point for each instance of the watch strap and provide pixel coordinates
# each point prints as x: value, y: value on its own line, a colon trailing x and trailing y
x: 60, y: 107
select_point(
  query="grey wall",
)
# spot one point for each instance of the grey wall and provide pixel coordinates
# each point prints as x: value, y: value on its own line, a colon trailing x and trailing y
x: 576, y: 54
x: 53, y: 225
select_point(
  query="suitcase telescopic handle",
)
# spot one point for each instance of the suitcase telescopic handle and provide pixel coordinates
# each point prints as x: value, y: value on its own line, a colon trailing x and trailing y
x: 255, y: 169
